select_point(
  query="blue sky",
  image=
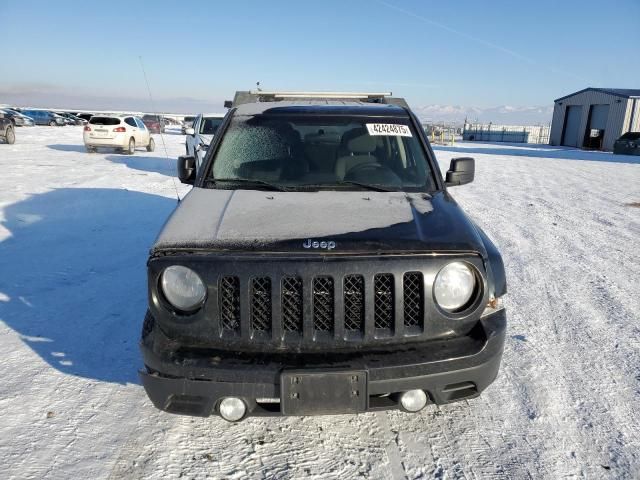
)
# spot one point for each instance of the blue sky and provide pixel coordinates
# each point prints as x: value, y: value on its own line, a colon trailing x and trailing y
x: 198, y: 53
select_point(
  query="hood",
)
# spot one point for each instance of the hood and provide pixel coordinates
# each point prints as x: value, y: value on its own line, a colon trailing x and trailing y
x: 323, y: 222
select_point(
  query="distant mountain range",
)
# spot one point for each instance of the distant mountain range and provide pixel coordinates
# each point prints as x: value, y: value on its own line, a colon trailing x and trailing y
x: 48, y: 96
x: 502, y: 115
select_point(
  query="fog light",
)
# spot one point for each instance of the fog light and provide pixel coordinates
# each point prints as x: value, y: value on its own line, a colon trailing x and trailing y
x: 413, y: 400
x: 232, y: 409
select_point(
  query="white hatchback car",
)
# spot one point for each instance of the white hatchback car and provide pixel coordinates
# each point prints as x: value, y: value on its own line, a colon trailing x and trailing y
x: 122, y: 132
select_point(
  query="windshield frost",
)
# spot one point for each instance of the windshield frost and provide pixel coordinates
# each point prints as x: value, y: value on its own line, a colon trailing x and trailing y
x: 324, y: 152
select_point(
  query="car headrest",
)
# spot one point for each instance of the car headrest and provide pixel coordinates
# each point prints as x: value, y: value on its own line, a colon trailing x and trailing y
x: 362, y: 144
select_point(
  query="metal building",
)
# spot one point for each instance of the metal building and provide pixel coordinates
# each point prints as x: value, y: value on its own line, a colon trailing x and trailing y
x: 594, y: 118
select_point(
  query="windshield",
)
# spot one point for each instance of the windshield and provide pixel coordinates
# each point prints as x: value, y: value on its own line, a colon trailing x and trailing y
x: 323, y: 152
x: 104, y: 121
x: 210, y: 125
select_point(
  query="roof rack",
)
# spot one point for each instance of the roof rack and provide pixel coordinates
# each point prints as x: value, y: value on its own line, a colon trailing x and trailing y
x: 322, y: 95
x: 257, y: 96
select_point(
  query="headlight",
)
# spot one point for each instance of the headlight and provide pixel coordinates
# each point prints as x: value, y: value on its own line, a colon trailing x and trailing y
x: 183, y: 288
x: 454, y: 286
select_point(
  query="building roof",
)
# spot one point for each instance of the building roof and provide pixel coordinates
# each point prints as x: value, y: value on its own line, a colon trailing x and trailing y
x: 618, y: 92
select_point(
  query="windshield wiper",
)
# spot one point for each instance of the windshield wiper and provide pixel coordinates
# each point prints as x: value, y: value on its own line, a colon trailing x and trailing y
x: 245, y: 182
x: 367, y: 186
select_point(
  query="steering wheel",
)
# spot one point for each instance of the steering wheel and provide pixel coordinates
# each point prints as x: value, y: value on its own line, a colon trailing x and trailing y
x: 373, y: 173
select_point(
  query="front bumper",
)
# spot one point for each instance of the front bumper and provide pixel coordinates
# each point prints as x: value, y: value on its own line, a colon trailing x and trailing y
x: 193, y: 383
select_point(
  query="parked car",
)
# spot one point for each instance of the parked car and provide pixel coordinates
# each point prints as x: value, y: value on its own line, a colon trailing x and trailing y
x: 199, y: 136
x: 320, y: 265
x: 155, y: 123
x: 187, y: 122
x: 7, y: 129
x: 85, y: 116
x: 44, y: 117
x: 122, y: 132
x: 170, y: 121
x: 71, y: 119
x: 628, y: 144
x: 18, y: 119
x: 67, y: 120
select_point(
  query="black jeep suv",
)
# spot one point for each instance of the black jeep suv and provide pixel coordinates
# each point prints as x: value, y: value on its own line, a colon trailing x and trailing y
x: 319, y: 266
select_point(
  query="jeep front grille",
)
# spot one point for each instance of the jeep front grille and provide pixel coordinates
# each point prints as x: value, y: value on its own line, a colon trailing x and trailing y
x: 329, y: 306
x: 323, y: 304
x: 229, y: 303
x: 353, y: 302
x: 261, y: 304
x: 383, y: 301
x: 292, y: 304
x: 413, y: 299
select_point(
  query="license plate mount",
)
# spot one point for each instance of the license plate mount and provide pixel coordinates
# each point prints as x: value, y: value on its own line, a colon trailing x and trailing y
x: 323, y: 393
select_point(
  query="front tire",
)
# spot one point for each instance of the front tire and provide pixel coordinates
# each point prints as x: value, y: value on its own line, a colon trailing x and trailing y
x: 10, y: 136
x: 152, y: 145
x: 131, y: 149
x: 52, y: 123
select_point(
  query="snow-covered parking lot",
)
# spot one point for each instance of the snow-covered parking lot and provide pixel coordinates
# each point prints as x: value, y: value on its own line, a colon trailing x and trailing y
x: 74, y: 233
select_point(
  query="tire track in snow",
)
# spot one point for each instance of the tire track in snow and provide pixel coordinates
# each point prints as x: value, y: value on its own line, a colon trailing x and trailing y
x: 391, y: 447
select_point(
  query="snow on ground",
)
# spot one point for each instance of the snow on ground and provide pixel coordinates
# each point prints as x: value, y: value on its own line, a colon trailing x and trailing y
x: 74, y: 233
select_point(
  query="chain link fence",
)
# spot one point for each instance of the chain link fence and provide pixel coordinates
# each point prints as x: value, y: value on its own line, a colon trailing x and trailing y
x: 506, y: 133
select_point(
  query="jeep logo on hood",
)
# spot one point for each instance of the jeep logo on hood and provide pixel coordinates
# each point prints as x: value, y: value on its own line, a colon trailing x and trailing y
x: 330, y: 245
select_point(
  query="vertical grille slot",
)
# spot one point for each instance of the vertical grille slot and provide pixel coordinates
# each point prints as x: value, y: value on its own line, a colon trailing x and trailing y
x: 383, y: 301
x: 261, y: 304
x: 323, y: 304
x: 353, y: 302
x: 292, y: 304
x: 230, y: 303
x: 413, y: 299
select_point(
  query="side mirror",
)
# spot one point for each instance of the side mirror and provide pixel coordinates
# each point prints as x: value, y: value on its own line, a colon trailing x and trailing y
x: 189, y: 131
x: 461, y: 171
x: 228, y: 104
x: 187, y: 169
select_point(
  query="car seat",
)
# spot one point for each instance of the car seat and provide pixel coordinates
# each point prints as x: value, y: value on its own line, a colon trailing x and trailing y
x: 360, y: 146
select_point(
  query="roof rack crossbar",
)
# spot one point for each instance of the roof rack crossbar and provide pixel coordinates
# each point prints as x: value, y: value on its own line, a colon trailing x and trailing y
x: 254, y: 96
x: 337, y: 95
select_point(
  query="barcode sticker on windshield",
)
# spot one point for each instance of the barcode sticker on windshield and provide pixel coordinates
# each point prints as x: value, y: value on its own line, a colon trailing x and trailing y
x: 389, y: 129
